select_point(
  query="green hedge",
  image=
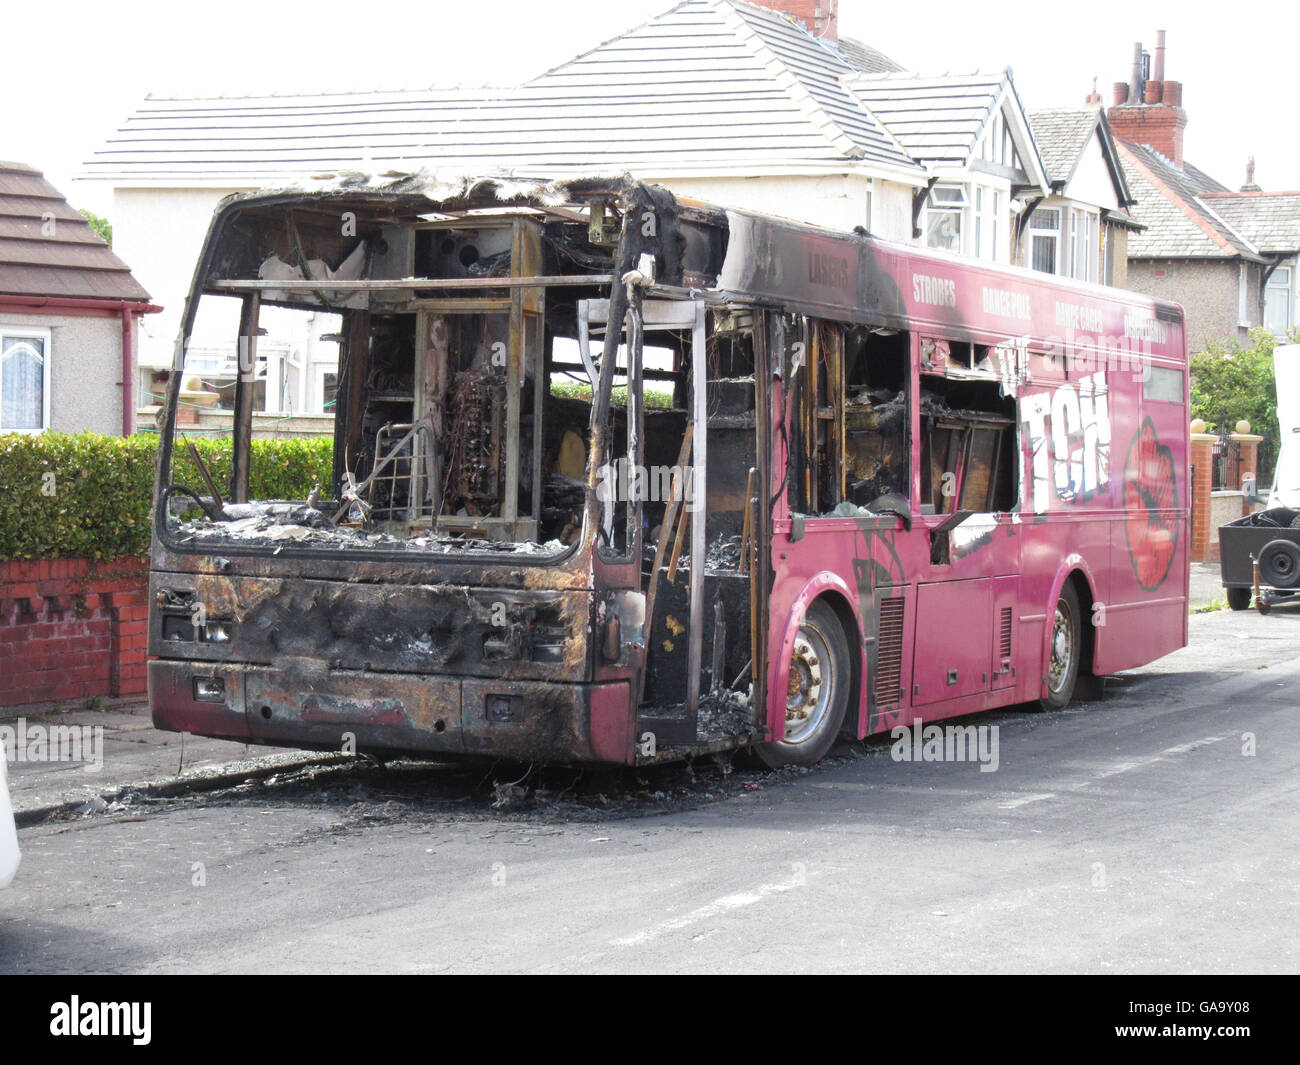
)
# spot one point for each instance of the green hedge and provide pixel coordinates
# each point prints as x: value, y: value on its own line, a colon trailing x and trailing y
x: 97, y: 503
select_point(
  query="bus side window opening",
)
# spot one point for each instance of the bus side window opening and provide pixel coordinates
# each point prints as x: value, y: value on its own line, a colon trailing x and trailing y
x: 875, y: 415
x: 968, y: 447
x: 849, y: 431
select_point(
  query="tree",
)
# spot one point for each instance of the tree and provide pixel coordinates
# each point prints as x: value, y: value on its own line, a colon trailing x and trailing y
x: 102, y: 226
x: 1230, y: 382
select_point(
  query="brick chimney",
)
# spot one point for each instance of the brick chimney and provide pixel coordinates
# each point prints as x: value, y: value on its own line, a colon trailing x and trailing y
x: 820, y: 17
x: 1250, y: 185
x: 1148, y: 110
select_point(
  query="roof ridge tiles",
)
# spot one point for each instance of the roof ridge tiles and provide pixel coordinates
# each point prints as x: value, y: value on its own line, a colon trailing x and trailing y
x: 1180, y: 200
x: 787, y: 79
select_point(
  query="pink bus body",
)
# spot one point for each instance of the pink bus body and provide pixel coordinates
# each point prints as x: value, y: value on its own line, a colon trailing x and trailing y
x: 1124, y: 543
x: 976, y: 489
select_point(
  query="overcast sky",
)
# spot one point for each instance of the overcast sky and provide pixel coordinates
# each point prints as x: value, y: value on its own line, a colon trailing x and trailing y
x: 73, y: 73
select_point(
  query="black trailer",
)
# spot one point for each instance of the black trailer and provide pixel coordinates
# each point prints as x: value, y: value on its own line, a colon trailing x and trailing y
x: 1269, y: 541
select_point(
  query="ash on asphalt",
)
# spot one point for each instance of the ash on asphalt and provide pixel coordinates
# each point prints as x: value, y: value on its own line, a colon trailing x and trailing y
x: 365, y: 792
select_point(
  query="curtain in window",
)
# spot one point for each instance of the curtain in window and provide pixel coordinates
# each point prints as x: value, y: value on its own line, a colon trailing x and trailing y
x: 1044, y: 253
x: 22, y: 382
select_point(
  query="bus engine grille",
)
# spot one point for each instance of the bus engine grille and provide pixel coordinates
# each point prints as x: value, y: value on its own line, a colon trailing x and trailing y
x: 889, y: 654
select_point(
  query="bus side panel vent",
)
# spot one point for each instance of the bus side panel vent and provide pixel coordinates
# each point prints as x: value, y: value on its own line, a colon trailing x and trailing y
x: 889, y: 661
x: 1004, y: 636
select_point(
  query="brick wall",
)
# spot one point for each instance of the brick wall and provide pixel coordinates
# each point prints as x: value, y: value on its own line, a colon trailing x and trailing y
x: 1160, y: 127
x: 72, y: 629
x: 1203, y: 547
x: 820, y: 16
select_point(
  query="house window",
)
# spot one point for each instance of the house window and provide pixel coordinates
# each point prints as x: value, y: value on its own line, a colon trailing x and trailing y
x: 1083, y: 247
x: 24, y: 379
x: 1243, y: 296
x: 1045, y: 239
x: 943, y: 219
x: 993, y: 223
x: 1088, y: 263
x: 1277, y: 302
x: 1074, y: 243
x: 988, y: 204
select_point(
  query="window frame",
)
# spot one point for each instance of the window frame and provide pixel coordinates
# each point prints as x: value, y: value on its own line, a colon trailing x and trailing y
x: 959, y: 206
x: 1280, y: 292
x: 988, y: 205
x: 1045, y: 231
x: 1089, y: 264
x: 22, y: 332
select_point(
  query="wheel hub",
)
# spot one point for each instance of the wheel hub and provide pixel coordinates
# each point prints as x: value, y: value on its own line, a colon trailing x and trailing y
x: 807, y: 694
x: 1062, y: 649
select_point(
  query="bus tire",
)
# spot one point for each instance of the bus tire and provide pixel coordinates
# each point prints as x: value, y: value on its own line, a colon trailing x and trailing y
x: 1064, y: 650
x: 1239, y: 598
x: 817, y: 693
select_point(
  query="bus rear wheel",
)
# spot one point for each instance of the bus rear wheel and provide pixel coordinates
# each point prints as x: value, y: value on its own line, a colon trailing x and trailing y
x: 817, y: 691
x: 1064, y: 650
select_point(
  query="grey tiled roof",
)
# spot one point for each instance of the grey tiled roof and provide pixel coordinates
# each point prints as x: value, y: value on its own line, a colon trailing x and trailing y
x: 936, y: 118
x: 1269, y: 220
x: 1180, y: 225
x: 1200, y: 180
x: 863, y: 57
x: 709, y: 84
x: 1061, y: 137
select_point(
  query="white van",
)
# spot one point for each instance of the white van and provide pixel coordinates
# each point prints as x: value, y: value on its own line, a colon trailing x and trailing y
x: 1286, y: 479
x: 9, y: 855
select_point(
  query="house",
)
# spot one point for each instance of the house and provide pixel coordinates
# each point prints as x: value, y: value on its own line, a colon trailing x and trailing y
x: 971, y: 134
x: 1081, y: 228
x: 1228, y: 257
x: 752, y: 105
x: 70, y: 315
x: 1271, y: 222
x: 725, y: 101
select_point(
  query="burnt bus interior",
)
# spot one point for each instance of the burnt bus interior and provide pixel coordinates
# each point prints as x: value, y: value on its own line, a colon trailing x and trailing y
x: 476, y: 355
x: 463, y: 409
x: 471, y: 342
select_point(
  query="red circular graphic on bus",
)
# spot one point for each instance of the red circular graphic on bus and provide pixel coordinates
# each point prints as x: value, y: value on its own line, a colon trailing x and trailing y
x: 1150, y: 502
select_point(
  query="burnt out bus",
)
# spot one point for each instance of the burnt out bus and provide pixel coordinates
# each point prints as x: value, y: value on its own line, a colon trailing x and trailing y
x: 620, y: 477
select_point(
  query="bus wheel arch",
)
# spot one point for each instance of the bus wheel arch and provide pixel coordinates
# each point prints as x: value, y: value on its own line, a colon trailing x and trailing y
x: 820, y: 680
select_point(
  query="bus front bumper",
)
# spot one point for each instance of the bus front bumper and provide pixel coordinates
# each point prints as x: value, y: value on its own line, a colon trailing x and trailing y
x: 353, y: 710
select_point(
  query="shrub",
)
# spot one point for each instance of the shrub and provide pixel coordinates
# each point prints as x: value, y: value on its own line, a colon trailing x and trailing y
x: 1231, y: 382
x: 89, y: 496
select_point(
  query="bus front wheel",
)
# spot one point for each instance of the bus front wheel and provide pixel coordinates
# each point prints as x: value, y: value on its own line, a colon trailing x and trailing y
x: 817, y: 691
x: 1064, y: 650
